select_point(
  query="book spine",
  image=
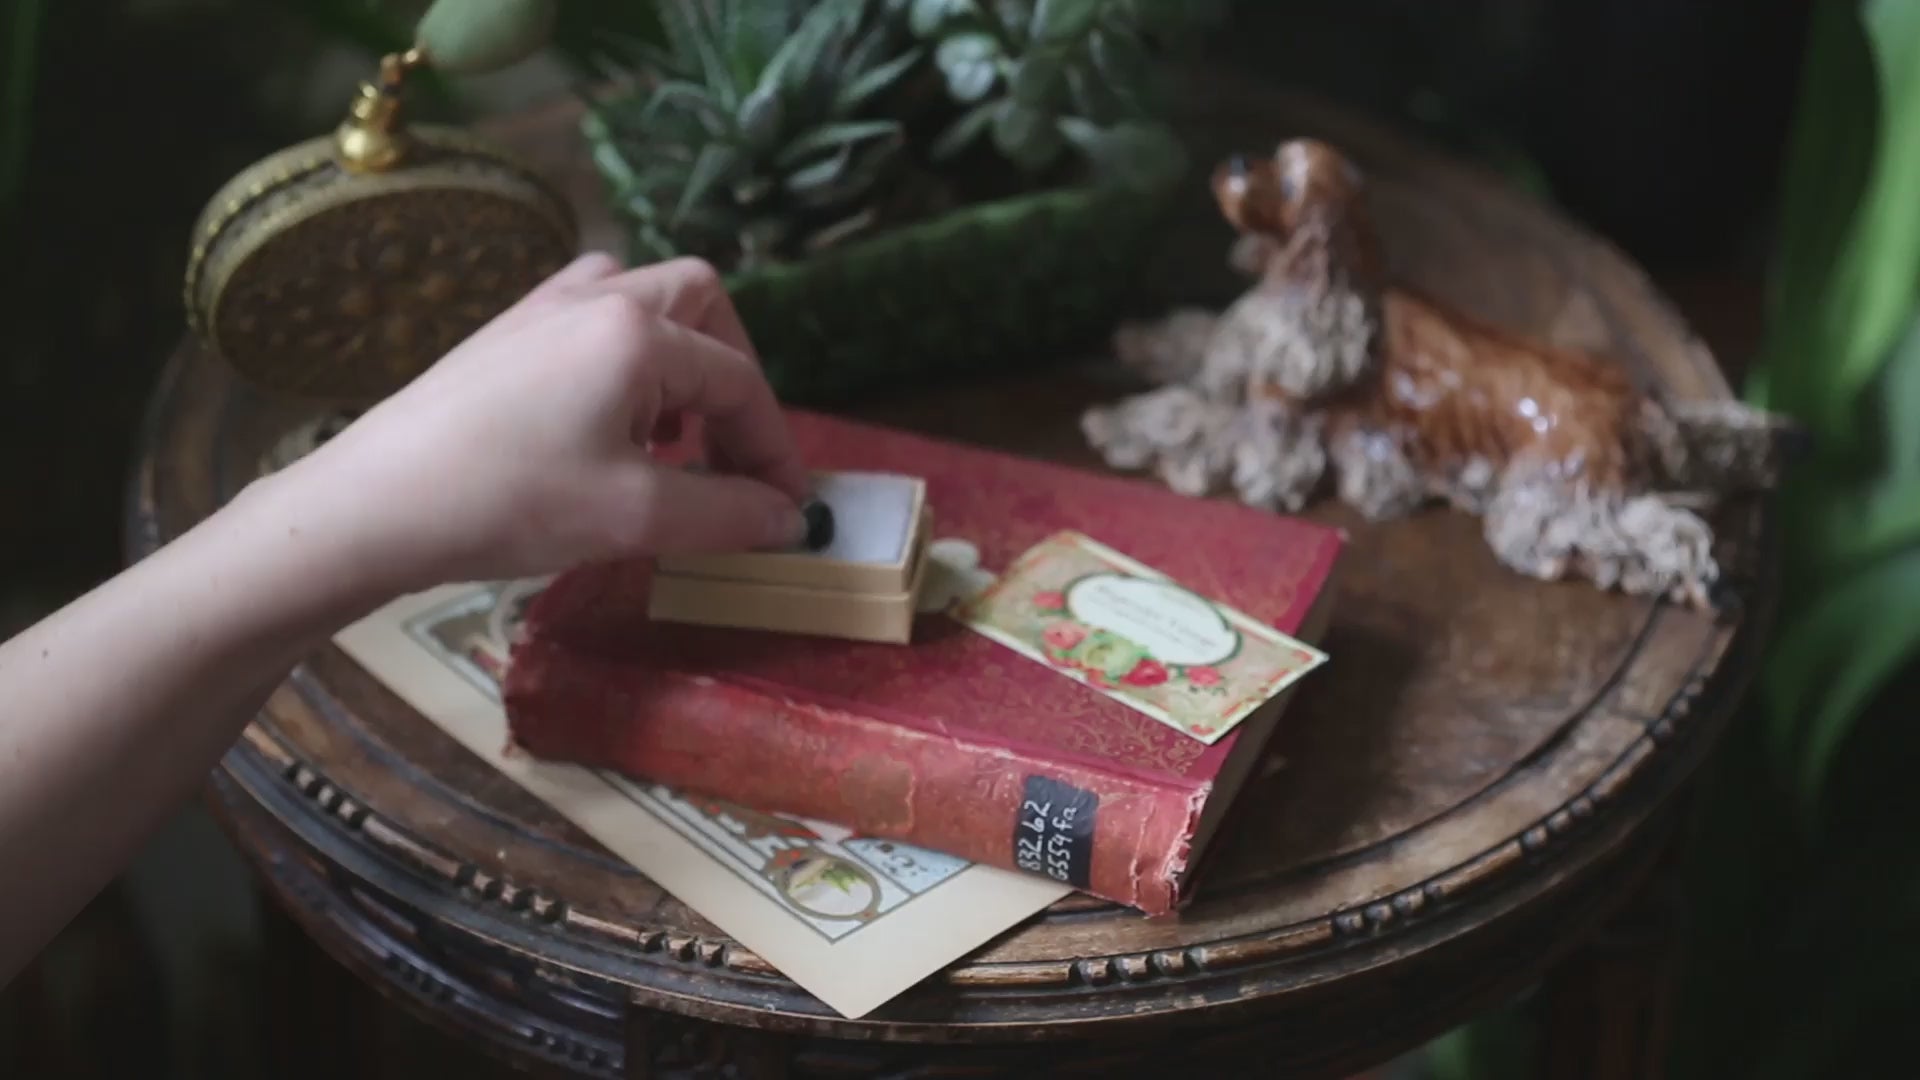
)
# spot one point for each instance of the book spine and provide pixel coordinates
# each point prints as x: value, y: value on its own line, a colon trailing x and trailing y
x: 1116, y: 837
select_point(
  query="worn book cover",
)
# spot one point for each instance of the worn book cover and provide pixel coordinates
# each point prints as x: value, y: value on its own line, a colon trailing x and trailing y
x: 981, y: 727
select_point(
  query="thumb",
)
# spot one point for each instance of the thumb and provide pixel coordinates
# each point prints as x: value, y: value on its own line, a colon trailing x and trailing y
x: 674, y: 511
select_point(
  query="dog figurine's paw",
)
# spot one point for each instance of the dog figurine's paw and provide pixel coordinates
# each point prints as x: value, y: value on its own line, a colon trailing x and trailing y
x: 953, y: 574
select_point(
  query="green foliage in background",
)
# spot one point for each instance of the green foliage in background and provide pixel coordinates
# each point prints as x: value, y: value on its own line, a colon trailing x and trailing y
x: 816, y: 151
x: 1807, y: 940
x: 1046, y: 78
x: 764, y: 131
x: 1844, y: 355
x: 20, y: 48
x: 1802, y: 876
x: 755, y: 135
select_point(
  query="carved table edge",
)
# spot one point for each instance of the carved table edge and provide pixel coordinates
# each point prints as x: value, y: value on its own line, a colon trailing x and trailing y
x: 509, y: 899
x: 405, y: 975
x: 326, y: 898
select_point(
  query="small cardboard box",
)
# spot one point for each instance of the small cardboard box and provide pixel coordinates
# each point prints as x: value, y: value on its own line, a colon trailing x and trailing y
x: 863, y: 586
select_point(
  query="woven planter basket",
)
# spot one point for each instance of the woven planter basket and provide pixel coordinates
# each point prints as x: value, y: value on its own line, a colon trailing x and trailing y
x: 1011, y: 283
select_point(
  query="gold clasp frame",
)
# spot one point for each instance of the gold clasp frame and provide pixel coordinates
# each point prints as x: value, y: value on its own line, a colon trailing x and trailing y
x: 373, y: 137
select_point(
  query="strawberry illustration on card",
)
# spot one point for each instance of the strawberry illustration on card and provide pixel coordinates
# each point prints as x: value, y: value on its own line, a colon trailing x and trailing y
x: 1136, y: 635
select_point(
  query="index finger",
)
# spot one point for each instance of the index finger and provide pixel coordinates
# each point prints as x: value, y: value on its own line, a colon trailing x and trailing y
x: 680, y: 370
x: 690, y: 292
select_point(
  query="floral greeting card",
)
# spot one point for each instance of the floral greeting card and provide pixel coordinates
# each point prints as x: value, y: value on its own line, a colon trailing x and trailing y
x: 1137, y: 636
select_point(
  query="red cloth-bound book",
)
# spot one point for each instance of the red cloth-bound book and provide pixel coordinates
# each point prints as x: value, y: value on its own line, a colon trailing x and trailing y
x: 953, y: 742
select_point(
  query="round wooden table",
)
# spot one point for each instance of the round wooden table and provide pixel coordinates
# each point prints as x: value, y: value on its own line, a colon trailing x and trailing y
x: 1460, y: 808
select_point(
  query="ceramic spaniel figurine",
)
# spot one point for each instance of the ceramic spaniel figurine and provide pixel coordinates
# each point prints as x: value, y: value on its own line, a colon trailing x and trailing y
x: 1328, y: 370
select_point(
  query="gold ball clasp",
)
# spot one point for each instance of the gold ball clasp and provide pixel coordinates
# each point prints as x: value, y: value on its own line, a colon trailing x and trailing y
x: 373, y: 138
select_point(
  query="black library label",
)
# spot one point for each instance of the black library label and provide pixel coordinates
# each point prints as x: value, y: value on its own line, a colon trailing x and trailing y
x: 1053, y: 832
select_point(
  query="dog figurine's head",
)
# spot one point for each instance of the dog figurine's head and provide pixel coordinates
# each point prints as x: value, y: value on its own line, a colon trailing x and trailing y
x: 1304, y: 233
x: 1273, y: 196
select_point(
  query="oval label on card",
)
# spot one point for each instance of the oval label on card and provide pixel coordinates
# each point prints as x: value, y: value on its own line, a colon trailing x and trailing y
x: 1172, y: 624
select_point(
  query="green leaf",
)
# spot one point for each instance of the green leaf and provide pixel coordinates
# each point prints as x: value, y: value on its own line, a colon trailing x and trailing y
x: 1124, y: 66
x: 816, y: 183
x: 927, y: 17
x: 715, y: 70
x: 661, y: 63
x: 1037, y: 79
x: 839, y: 179
x: 1498, y: 1045
x: 1840, y: 518
x: 1838, y: 524
x: 607, y: 158
x: 1900, y: 405
x: 697, y: 101
x: 710, y: 169
x: 834, y: 137
x: 858, y: 91
x: 653, y: 244
x: 638, y: 206
x: 679, y: 23
x: 1063, y: 20
x: 801, y: 56
x: 1009, y: 20
x: 970, y: 61
x: 1829, y: 663
x: 760, y: 119
x: 879, y: 40
x: 757, y: 32
x: 1850, y: 252
x: 962, y: 132
x: 1028, y: 137
x: 1133, y: 154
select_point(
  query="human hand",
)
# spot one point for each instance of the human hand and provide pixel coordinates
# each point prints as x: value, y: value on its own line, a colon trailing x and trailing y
x: 531, y: 446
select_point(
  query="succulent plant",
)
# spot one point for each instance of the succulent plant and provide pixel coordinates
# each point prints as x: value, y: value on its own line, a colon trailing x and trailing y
x: 1042, y: 78
x: 753, y: 135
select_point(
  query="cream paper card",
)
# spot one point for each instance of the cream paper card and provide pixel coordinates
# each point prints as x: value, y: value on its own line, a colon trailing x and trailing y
x: 1137, y: 636
x: 853, y: 920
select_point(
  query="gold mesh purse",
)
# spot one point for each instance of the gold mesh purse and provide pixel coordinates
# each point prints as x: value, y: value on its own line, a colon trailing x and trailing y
x: 341, y: 268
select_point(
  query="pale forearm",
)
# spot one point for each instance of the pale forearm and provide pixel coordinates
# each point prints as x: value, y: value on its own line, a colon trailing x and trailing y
x: 117, y: 706
x: 519, y: 453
